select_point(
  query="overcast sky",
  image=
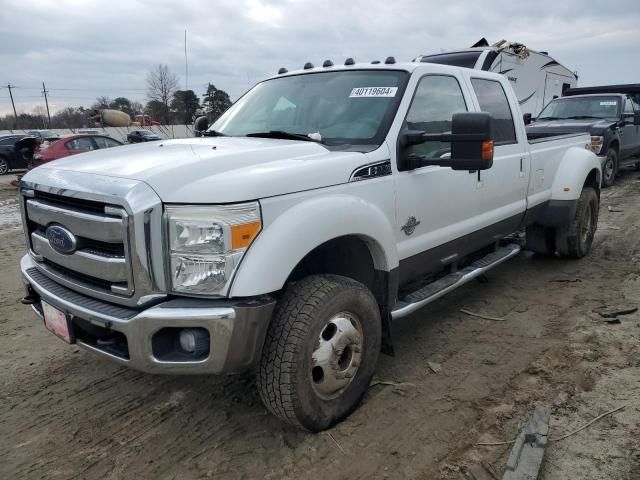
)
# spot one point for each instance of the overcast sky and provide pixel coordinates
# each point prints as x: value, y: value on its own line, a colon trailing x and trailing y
x: 83, y: 49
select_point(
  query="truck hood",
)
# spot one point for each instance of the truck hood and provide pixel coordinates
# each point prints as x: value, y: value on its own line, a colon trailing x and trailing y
x: 220, y: 169
x: 592, y: 126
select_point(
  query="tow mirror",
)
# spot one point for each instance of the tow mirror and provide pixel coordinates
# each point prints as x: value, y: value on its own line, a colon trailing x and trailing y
x: 200, y: 125
x: 471, y: 144
x: 527, y: 118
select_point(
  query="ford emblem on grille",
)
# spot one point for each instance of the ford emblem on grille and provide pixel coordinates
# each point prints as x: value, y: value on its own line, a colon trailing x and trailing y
x: 61, y: 239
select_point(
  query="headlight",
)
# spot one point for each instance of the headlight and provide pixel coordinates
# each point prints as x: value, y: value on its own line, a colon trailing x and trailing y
x: 596, y: 144
x: 206, y: 244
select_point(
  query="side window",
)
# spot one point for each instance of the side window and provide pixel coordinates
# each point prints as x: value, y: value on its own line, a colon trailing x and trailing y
x: 628, y: 106
x: 104, y: 142
x: 8, y: 140
x: 82, y: 143
x: 437, y: 98
x: 493, y: 100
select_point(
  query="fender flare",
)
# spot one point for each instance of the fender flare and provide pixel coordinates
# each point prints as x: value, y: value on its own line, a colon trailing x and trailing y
x: 297, y: 231
x: 571, y: 175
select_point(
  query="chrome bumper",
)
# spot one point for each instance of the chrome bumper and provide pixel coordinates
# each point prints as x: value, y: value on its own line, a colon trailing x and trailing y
x: 237, y: 328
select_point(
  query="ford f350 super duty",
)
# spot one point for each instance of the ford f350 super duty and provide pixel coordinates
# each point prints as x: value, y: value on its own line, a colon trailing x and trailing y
x: 322, y: 205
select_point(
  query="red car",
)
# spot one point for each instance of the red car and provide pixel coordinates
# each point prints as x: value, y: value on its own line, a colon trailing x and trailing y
x: 72, y: 145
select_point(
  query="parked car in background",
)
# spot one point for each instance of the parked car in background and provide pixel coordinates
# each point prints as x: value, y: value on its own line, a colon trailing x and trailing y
x: 72, y: 145
x: 612, y: 120
x: 143, y: 120
x: 137, y: 136
x: 16, y: 151
x: 43, y: 134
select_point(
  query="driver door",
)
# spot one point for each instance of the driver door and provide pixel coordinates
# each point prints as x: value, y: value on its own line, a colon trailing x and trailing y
x: 436, y: 207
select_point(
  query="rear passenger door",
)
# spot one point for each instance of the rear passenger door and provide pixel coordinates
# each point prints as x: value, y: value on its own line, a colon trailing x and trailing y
x: 505, y: 183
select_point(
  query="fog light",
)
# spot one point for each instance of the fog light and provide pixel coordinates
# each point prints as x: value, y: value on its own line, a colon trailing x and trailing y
x: 194, y: 341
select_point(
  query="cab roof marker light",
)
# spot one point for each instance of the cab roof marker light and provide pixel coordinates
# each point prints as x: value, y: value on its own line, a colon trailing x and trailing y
x: 375, y: 62
x: 327, y: 63
x: 308, y: 65
x: 349, y: 61
x: 390, y: 61
x: 282, y: 70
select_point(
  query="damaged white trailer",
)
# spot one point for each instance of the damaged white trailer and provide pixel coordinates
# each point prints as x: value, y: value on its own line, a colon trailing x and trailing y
x: 535, y: 76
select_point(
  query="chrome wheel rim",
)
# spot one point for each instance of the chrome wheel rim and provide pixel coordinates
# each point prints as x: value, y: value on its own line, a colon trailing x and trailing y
x: 337, y: 355
x: 608, y: 168
x: 4, y: 167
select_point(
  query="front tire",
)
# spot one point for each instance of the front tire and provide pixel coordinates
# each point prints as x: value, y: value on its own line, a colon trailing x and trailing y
x: 610, y: 168
x: 574, y: 241
x: 4, y: 166
x: 320, y: 352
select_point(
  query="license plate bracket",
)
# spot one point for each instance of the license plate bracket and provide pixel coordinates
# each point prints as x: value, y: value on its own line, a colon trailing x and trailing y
x: 57, y: 322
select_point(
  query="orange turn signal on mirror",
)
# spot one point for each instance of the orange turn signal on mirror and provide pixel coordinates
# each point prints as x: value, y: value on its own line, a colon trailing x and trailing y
x: 487, y: 150
x: 243, y: 235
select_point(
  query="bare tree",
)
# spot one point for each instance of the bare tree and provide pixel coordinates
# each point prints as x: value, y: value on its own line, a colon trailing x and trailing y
x: 161, y: 83
x: 101, y: 102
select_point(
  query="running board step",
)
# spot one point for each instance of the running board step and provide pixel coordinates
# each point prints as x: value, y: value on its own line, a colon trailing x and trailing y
x: 427, y: 294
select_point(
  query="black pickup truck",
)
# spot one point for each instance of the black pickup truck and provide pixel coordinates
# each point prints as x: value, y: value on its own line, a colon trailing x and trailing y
x: 16, y: 151
x: 612, y: 120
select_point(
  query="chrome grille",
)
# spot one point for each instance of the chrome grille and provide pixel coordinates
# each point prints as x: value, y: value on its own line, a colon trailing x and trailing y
x: 101, y: 260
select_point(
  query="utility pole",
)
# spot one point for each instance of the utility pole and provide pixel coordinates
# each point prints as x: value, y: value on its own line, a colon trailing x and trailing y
x: 15, y: 114
x: 186, y: 80
x: 46, y: 101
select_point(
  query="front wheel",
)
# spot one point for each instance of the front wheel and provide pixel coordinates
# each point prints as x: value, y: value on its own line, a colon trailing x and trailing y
x: 610, y: 168
x: 4, y: 166
x: 320, y: 352
x: 574, y: 241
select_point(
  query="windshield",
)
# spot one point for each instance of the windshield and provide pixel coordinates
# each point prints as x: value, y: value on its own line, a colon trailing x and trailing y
x: 581, y: 108
x: 145, y: 133
x: 335, y: 108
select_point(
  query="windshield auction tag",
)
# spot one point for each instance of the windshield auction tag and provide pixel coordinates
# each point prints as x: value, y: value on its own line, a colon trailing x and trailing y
x: 608, y: 103
x: 373, y: 92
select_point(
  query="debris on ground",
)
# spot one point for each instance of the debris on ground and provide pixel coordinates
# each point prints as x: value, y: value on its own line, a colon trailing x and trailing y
x: 526, y: 455
x: 481, y: 315
x: 434, y: 367
x: 614, y: 210
x: 613, y: 312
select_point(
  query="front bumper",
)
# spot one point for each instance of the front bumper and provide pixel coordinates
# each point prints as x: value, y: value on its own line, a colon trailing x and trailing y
x: 236, y: 328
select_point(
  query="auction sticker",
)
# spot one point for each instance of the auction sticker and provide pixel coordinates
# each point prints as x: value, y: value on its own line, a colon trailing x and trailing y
x: 608, y: 103
x: 373, y: 92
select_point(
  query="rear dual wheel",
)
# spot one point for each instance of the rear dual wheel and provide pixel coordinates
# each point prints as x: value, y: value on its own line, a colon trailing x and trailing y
x: 574, y: 241
x: 320, y: 352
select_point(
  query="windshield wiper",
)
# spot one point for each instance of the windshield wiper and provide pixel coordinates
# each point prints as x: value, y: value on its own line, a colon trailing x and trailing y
x: 548, y: 118
x: 283, y: 135
x: 580, y: 117
x: 212, y: 133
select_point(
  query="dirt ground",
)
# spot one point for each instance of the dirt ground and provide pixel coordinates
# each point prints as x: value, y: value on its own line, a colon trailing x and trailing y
x: 64, y: 413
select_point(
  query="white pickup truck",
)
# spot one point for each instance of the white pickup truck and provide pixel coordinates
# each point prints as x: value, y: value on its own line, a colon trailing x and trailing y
x: 322, y: 205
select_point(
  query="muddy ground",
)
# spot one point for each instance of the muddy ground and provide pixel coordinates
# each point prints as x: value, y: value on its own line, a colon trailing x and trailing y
x: 65, y: 413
